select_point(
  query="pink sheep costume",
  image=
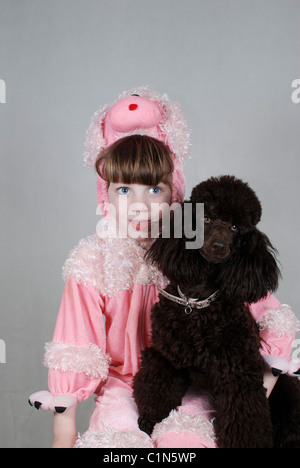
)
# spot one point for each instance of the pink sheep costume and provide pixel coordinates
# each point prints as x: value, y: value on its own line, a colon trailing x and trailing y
x: 109, y: 277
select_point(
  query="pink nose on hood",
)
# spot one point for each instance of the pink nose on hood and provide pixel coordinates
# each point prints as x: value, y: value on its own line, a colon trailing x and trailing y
x: 131, y: 113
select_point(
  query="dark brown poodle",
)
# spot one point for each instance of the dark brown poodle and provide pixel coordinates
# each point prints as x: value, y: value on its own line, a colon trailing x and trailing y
x: 217, y: 347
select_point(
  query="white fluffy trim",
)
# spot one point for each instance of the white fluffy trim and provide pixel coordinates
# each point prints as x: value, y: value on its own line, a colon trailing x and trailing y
x: 111, y: 438
x: 89, y: 359
x: 110, y: 265
x: 178, y: 421
x: 281, y: 321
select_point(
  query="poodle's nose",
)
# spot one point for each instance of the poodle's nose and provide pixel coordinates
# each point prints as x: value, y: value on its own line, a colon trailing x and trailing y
x: 218, y: 247
x: 133, y: 107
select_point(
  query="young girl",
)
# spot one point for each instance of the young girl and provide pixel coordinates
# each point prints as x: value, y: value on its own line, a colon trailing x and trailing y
x: 106, y: 275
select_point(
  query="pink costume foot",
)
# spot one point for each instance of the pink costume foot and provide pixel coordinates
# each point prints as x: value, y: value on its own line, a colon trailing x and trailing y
x: 180, y: 430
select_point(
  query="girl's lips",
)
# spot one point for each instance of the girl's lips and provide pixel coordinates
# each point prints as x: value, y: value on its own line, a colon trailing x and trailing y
x: 140, y: 225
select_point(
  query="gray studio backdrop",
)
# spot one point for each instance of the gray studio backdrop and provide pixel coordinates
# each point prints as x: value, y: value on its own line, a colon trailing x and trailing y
x: 231, y: 65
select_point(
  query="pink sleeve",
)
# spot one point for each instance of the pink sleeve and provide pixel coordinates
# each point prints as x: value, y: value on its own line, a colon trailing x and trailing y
x: 278, y: 326
x: 76, y: 357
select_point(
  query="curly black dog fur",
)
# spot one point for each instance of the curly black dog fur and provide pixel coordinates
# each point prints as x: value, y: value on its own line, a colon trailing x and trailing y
x: 217, y: 348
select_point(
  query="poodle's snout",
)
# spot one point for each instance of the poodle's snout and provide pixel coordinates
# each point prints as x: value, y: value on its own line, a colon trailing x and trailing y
x: 218, y: 247
x: 216, y: 250
x: 217, y: 242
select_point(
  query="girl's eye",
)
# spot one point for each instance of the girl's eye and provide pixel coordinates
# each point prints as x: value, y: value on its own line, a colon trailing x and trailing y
x: 234, y: 228
x: 123, y: 190
x: 207, y: 220
x: 154, y: 190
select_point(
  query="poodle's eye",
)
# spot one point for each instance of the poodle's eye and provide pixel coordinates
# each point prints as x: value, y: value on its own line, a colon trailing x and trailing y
x: 234, y: 228
x: 207, y: 220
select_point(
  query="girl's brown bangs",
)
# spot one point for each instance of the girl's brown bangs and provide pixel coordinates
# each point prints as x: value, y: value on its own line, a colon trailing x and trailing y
x: 136, y: 160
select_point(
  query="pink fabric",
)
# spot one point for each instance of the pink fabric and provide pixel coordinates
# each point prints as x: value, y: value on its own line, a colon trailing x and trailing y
x: 78, y: 316
x: 183, y: 440
x: 49, y: 402
x: 115, y: 408
x: 127, y: 331
x: 79, y: 321
x: 116, y: 411
x: 129, y: 114
x: 288, y: 367
x: 271, y: 343
x: 191, y: 426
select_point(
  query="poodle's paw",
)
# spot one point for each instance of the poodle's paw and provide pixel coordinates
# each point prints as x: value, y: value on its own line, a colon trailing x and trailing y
x: 280, y: 365
x: 146, y: 425
x: 44, y: 400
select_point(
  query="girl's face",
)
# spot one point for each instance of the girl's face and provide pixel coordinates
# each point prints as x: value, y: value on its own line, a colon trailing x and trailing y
x: 139, y: 208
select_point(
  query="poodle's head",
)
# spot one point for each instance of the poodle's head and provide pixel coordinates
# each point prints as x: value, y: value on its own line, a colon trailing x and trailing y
x: 231, y: 210
x: 241, y: 257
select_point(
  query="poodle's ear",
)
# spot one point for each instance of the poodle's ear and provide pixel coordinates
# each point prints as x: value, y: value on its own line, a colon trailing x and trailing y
x: 168, y: 256
x: 167, y: 251
x: 171, y: 254
x: 251, y: 273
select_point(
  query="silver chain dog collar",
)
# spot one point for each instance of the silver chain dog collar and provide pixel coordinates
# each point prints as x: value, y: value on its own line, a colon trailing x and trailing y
x: 188, y: 302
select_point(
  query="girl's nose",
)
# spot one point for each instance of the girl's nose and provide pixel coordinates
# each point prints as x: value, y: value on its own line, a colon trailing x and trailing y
x: 140, y: 206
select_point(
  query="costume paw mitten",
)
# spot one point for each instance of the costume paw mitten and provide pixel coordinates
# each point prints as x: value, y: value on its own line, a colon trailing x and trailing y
x: 280, y: 365
x: 44, y: 400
